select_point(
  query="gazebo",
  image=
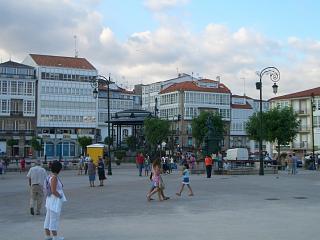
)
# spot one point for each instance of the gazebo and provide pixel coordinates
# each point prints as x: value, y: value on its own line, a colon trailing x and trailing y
x: 130, y: 117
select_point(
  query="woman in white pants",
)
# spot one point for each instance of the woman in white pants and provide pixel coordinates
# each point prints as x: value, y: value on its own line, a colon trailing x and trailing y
x: 54, y: 200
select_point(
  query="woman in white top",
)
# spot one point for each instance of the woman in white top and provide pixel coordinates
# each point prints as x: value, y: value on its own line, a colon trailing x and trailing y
x: 54, y: 200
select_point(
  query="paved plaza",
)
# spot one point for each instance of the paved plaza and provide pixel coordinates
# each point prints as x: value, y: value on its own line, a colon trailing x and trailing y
x: 224, y: 207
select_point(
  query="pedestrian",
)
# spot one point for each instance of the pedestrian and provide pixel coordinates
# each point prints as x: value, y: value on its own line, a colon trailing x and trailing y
x: 22, y: 165
x: 289, y: 165
x: 146, y: 166
x: 139, y: 162
x: 101, y: 172
x: 86, y: 162
x: 81, y: 165
x: 208, y: 163
x: 185, y: 181
x: 91, y: 173
x: 36, y: 176
x: 1, y: 167
x: 54, y: 201
x: 294, y: 160
x: 155, y: 177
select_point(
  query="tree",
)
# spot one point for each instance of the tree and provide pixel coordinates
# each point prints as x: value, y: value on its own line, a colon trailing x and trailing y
x: 108, y: 140
x: 84, y: 142
x: 208, y: 129
x: 253, y: 126
x: 11, y: 143
x: 131, y: 142
x: 282, y: 126
x: 156, y: 130
x: 36, y: 144
x: 279, y: 125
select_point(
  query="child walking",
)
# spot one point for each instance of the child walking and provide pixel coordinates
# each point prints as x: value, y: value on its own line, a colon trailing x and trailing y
x: 185, y: 180
x: 155, y: 188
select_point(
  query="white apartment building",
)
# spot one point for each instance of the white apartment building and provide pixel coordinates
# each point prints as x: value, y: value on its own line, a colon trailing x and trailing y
x: 17, y: 108
x: 66, y: 108
x: 301, y: 102
x: 242, y: 108
x: 150, y: 92
x: 120, y: 100
x: 186, y: 100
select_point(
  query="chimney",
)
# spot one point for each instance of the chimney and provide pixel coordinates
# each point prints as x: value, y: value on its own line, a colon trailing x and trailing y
x: 218, y: 79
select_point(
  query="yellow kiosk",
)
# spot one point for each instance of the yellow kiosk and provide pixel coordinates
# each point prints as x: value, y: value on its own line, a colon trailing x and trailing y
x: 95, y: 151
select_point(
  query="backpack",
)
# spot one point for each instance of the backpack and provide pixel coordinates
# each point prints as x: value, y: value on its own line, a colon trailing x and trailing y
x: 47, y: 187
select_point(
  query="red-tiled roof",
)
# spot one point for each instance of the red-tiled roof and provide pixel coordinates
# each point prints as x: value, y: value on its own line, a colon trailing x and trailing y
x: 241, y: 106
x: 63, y: 62
x: 305, y: 93
x: 192, y: 86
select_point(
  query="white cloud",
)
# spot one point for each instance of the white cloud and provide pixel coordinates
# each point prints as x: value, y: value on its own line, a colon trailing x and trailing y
x: 149, y: 56
x: 158, y: 5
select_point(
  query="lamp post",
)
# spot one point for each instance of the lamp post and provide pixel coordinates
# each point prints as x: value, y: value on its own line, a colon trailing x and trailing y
x: 313, y: 108
x: 100, y: 80
x: 274, y: 75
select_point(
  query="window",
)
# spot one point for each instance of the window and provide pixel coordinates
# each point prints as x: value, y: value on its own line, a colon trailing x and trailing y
x: 29, y: 88
x: 21, y: 88
x: 4, y: 106
x: 13, y: 88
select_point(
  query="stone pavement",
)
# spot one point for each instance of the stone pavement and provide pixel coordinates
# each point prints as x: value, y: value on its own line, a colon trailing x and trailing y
x: 266, y: 207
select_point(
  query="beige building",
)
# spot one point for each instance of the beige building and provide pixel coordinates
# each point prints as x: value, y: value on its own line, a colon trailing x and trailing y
x: 306, y: 104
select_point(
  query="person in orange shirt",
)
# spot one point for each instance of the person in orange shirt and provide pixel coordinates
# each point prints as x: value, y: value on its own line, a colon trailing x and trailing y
x: 208, y: 163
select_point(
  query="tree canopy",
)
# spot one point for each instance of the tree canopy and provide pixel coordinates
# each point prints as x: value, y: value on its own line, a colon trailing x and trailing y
x: 208, y: 130
x: 35, y: 144
x: 156, y: 130
x: 279, y: 125
x: 84, y: 142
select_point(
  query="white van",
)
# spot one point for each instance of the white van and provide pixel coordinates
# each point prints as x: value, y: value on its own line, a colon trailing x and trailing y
x: 237, y: 154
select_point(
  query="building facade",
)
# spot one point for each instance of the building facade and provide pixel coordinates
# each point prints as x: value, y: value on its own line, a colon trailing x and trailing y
x: 120, y: 100
x: 183, y: 101
x: 18, y: 87
x: 66, y: 108
x: 242, y: 108
x: 302, y: 103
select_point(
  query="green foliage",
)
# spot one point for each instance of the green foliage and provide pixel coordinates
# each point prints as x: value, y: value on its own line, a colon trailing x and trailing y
x: 156, y: 130
x: 200, y: 126
x: 35, y: 144
x: 108, y: 140
x: 84, y: 142
x: 120, y: 154
x: 283, y: 125
x: 278, y: 125
x: 253, y: 126
x: 12, y: 142
x: 131, y: 141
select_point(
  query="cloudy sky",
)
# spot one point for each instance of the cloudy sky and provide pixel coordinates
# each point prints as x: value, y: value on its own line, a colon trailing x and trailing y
x: 143, y: 41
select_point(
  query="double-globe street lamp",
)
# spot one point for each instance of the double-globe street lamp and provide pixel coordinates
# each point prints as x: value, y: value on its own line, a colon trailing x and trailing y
x: 100, y: 80
x: 274, y: 75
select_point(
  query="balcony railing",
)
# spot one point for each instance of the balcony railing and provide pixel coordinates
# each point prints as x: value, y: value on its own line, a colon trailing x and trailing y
x: 303, y: 145
x: 304, y: 128
x: 16, y: 113
x: 17, y: 132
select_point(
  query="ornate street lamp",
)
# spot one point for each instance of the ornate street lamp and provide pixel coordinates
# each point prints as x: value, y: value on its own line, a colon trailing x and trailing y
x: 100, y: 80
x: 274, y: 75
x: 313, y: 108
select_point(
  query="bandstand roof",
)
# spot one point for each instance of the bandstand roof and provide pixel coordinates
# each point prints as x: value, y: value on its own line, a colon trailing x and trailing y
x: 130, y: 117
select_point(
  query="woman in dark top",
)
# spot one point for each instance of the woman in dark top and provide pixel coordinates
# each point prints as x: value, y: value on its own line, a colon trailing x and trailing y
x: 101, y: 172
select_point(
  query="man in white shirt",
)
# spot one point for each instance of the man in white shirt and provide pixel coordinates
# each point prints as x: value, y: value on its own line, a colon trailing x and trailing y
x: 37, y: 176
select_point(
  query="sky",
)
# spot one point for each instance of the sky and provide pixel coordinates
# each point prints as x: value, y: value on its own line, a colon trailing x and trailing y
x: 144, y: 41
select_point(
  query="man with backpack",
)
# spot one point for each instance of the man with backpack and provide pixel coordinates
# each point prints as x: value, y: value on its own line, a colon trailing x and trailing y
x: 37, y: 176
